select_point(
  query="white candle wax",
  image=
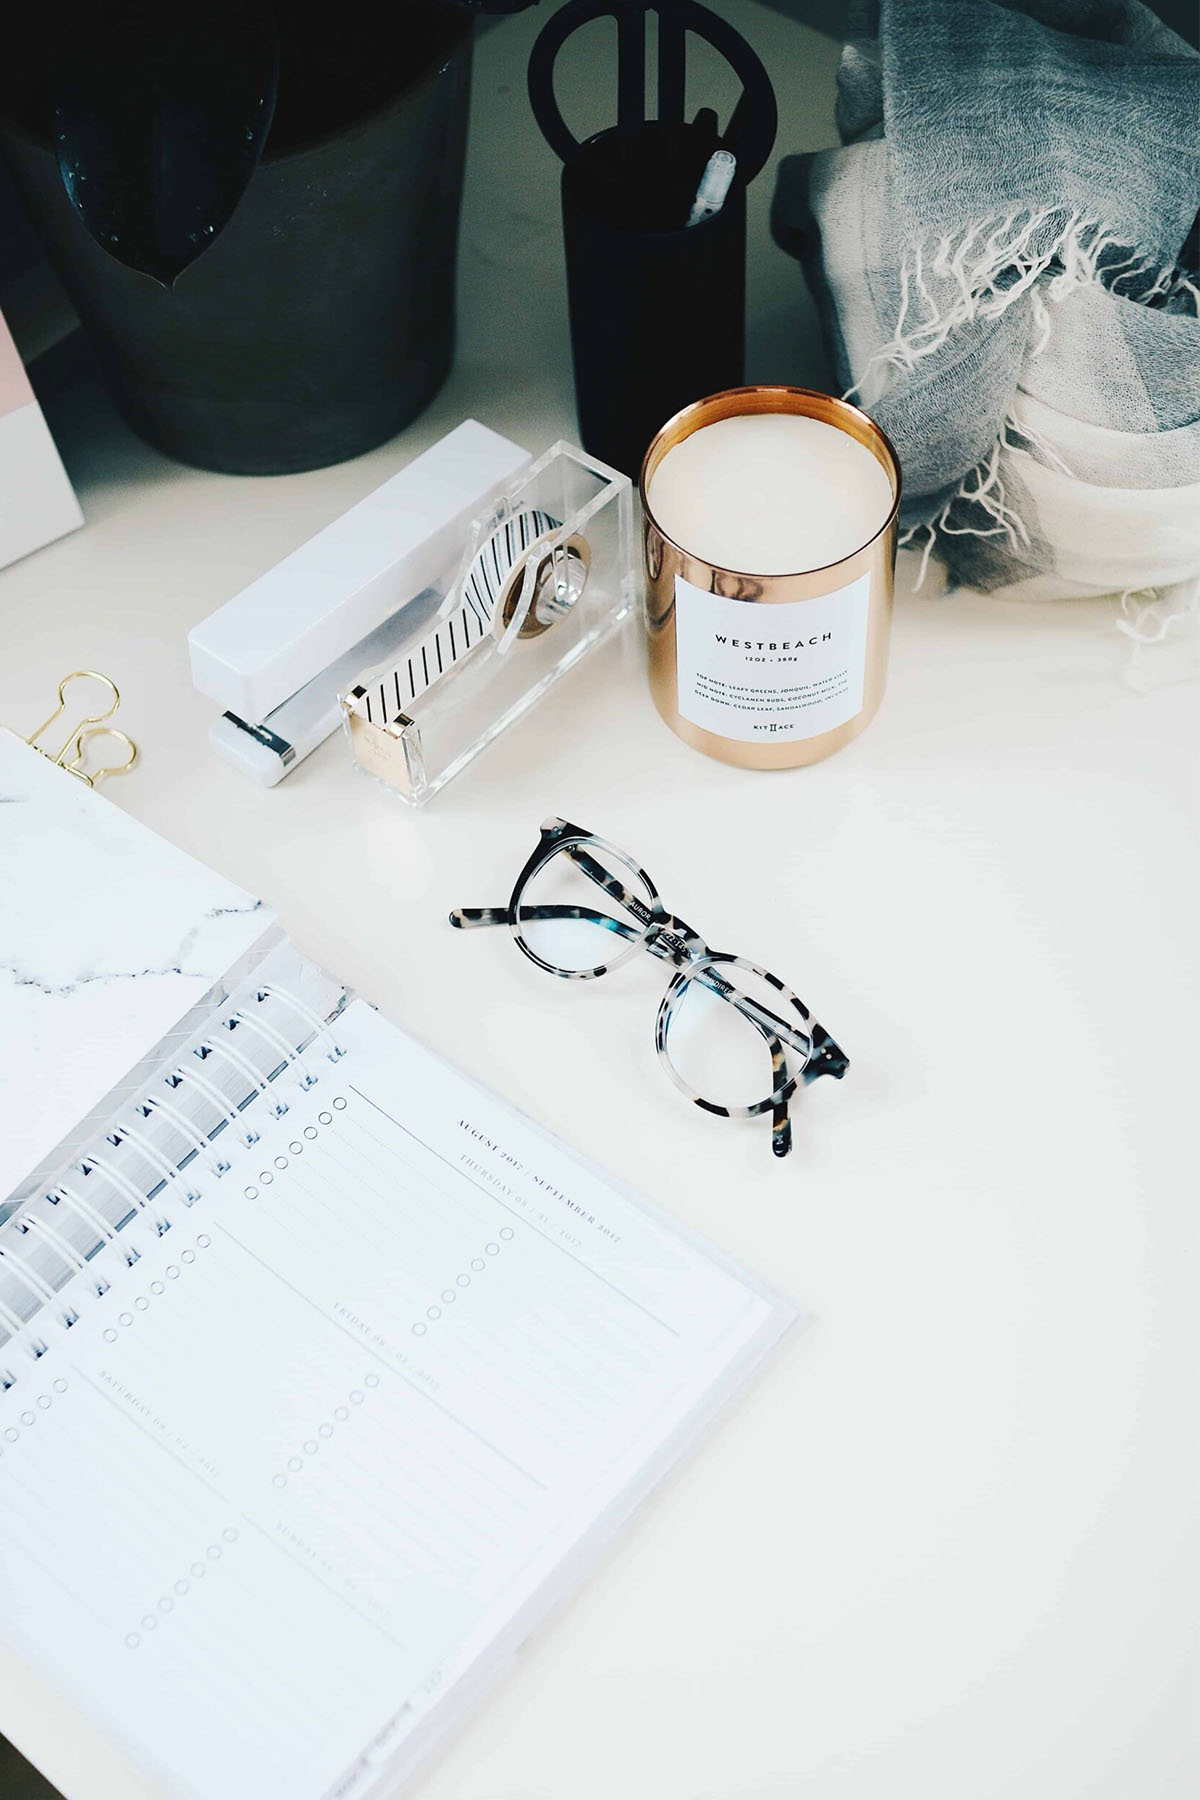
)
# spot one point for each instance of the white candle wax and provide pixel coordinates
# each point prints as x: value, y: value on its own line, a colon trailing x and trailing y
x: 770, y: 494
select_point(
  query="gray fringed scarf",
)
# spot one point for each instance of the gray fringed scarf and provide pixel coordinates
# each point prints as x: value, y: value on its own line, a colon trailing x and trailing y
x: 1001, y: 255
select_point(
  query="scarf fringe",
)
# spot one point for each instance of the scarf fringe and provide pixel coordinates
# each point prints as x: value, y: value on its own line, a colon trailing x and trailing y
x: 991, y: 265
x: 1148, y: 615
x: 983, y: 486
x: 1047, y: 254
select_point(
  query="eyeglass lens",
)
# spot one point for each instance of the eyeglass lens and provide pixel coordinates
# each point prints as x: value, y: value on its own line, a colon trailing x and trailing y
x: 570, y: 912
x: 717, y: 1050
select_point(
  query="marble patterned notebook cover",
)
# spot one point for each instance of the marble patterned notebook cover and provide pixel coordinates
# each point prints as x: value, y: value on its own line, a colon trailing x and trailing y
x: 37, y: 501
x: 81, y: 1006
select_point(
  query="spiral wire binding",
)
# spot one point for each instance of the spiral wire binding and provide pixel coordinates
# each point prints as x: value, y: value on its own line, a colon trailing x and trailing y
x: 97, y: 1221
x: 62, y: 1246
x: 41, y: 1290
x: 168, y: 1170
x: 319, y: 1025
x: 186, y: 1129
x: 122, y: 1182
x: 105, y: 1232
x: 279, y: 1044
x: 258, y: 1081
x: 218, y: 1099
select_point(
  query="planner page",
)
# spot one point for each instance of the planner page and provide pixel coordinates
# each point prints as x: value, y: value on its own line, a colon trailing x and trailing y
x: 313, y: 1458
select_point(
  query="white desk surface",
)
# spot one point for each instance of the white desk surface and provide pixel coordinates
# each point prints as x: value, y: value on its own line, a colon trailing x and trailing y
x: 938, y: 1553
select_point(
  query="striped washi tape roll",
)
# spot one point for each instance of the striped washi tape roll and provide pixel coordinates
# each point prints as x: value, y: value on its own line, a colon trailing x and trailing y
x: 390, y: 690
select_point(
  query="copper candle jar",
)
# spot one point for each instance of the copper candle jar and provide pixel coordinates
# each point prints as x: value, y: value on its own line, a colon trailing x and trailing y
x: 769, y: 671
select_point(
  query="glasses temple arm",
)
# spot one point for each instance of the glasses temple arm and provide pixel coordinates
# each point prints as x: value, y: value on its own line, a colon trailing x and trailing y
x: 781, y: 1129
x: 468, y: 918
x: 823, y: 1056
x: 769, y: 1023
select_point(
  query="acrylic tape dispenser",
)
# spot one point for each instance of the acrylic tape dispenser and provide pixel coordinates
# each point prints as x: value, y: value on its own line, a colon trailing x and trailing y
x: 546, y: 575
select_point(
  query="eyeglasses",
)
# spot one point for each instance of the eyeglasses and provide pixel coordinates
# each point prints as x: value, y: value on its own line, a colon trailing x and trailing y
x: 722, y: 1019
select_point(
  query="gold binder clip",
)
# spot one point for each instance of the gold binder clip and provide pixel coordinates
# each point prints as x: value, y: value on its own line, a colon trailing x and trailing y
x: 95, y: 776
x: 72, y: 753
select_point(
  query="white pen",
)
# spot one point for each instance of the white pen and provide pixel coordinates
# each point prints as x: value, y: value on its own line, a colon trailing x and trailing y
x: 715, y: 184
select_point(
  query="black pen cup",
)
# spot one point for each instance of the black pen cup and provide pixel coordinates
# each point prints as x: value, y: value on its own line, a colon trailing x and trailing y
x: 657, y: 310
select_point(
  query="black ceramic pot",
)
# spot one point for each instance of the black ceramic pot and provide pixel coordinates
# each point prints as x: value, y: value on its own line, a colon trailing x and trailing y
x: 321, y: 320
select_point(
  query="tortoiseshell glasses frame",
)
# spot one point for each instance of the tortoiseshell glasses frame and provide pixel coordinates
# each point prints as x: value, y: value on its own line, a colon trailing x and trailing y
x: 800, y: 1049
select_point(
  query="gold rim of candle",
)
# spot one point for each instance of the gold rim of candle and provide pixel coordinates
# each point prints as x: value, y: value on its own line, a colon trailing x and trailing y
x: 740, y: 402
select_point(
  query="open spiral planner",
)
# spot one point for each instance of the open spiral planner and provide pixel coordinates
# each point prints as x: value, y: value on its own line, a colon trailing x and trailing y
x: 322, y: 1371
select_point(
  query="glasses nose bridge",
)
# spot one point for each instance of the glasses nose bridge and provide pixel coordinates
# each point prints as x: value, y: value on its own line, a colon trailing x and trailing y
x: 675, y: 939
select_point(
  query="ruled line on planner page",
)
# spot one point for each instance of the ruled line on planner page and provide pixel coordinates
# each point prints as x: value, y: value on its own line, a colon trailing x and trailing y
x: 48, y: 1569
x: 104, y: 1555
x: 166, y: 1448
x: 402, y: 1208
x: 363, y: 1618
x: 489, y: 1352
x: 392, y: 1367
x: 466, y: 1176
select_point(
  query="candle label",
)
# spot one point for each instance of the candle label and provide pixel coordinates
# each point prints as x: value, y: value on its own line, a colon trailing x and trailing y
x: 764, y: 673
